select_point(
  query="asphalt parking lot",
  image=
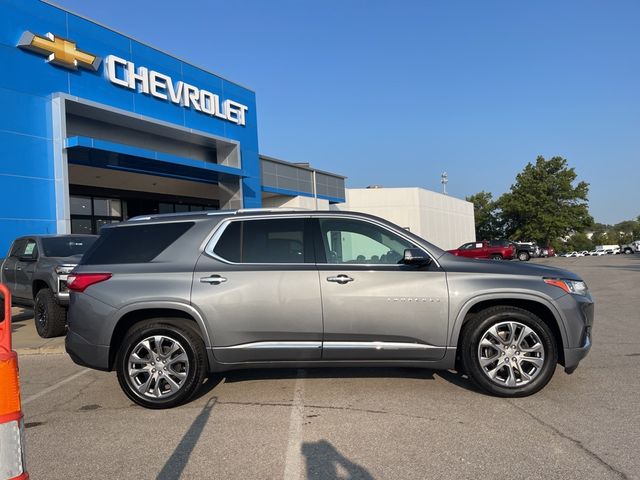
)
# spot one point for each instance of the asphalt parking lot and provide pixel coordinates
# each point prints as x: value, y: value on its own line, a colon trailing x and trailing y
x: 355, y: 423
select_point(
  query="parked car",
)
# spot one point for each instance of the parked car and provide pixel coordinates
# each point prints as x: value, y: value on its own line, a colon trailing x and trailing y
x: 585, y: 253
x: 498, y: 250
x: 629, y: 248
x: 548, y: 251
x: 166, y: 299
x: 526, y: 250
x: 35, y: 271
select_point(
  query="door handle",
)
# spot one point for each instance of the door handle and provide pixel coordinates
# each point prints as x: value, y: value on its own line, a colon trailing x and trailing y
x: 341, y: 279
x: 213, y: 280
x: 18, y: 268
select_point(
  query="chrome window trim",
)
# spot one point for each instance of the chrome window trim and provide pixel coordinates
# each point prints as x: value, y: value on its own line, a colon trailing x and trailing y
x: 377, y: 345
x: 219, y: 229
x: 271, y: 345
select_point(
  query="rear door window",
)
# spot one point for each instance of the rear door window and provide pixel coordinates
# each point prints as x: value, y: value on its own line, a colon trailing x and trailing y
x: 134, y: 244
x: 282, y: 240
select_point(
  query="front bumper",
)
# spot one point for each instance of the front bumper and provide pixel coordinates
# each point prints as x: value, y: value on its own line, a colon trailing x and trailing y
x: 85, y: 353
x: 578, y: 313
x: 573, y: 356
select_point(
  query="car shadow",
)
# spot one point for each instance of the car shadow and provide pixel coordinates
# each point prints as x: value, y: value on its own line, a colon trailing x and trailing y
x: 25, y: 314
x: 456, y: 378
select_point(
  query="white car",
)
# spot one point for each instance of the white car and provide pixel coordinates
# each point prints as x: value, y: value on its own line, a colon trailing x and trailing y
x: 597, y: 253
x: 585, y: 253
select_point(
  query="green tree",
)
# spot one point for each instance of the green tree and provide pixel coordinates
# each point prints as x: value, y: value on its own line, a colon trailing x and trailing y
x: 486, y: 216
x: 578, y: 241
x: 544, y: 204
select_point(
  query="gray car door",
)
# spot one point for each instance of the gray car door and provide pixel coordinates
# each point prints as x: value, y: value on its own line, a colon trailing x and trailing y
x: 9, y: 265
x: 25, y: 268
x: 258, y: 289
x: 373, y: 307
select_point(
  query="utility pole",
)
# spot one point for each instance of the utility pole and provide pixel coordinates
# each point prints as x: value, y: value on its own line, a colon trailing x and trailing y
x: 444, y: 179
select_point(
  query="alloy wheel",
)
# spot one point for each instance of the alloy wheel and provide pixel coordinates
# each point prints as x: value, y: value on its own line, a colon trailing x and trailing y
x: 511, y: 354
x: 157, y: 367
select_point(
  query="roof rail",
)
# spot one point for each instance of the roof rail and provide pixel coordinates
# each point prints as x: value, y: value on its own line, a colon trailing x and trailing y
x: 271, y: 210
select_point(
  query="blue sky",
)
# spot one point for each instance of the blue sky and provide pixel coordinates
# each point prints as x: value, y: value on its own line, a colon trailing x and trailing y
x: 394, y: 93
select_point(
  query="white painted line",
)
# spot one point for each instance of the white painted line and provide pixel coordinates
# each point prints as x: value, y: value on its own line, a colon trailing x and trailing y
x: 54, y: 386
x: 293, y: 461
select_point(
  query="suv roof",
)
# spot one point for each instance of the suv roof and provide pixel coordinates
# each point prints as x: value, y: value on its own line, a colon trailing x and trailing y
x: 209, y: 213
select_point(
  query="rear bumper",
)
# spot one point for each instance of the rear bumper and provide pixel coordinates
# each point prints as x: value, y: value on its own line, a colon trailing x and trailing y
x: 85, y: 353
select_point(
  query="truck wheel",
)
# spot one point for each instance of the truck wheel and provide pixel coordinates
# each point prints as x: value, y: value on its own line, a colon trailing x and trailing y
x: 496, y: 256
x: 508, y: 351
x: 50, y: 318
x: 161, y: 364
x: 523, y: 256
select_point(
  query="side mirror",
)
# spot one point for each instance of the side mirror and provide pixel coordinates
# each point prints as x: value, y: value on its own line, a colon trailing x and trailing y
x: 414, y: 256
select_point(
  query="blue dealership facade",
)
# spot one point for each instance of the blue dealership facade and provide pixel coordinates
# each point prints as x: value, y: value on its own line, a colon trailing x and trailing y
x: 97, y: 127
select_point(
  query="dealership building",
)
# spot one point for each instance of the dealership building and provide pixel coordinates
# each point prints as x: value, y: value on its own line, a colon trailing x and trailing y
x: 97, y: 127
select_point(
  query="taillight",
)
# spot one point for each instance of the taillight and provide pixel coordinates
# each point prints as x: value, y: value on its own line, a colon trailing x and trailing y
x: 79, y: 282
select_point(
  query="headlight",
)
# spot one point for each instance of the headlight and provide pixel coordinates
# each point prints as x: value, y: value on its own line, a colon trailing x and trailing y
x: 64, y: 269
x: 576, y: 287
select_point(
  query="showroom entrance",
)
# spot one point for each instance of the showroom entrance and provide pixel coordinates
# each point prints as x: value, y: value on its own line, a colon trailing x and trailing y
x: 121, y: 166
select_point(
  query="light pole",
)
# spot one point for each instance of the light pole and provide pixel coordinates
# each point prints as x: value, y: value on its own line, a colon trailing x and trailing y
x: 444, y: 179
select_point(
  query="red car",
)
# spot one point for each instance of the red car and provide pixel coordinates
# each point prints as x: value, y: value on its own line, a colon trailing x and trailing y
x: 504, y: 251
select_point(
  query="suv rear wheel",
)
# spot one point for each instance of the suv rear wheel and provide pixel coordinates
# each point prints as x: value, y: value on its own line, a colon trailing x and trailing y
x: 523, y: 256
x: 509, y: 351
x: 50, y: 318
x: 161, y: 364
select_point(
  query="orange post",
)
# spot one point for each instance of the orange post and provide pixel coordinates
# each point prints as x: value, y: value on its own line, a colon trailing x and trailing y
x: 12, y: 458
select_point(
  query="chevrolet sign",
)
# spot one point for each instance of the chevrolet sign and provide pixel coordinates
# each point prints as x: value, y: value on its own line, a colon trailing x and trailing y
x: 125, y: 74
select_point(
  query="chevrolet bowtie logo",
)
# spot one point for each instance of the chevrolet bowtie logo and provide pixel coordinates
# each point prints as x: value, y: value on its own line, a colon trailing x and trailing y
x: 59, y: 51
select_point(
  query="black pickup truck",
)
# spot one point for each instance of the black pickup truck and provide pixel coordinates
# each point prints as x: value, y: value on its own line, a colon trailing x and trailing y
x: 36, y: 274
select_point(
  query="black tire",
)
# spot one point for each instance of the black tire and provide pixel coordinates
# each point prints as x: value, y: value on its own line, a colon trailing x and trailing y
x: 496, y: 256
x: 193, y: 347
x: 628, y: 251
x: 523, y: 256
x: 49, y: 317
x: 473, y: 332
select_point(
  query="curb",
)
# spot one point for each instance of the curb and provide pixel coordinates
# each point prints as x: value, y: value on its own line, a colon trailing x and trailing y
x: 54, y: 350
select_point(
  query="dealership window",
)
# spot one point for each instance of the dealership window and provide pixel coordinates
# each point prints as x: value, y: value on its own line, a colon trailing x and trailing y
x: 89, y: 214
x: 357, y: 242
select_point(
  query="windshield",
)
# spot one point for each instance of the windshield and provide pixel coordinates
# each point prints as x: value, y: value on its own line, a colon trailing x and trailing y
x: 66, y: 246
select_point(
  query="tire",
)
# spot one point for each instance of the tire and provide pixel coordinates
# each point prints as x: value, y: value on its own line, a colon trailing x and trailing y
x: 49, y: 317
x: 628, y: 251
x: 173, y: 372
x: 538, y: 365
x: 523, y: 256
x: 496, y: 256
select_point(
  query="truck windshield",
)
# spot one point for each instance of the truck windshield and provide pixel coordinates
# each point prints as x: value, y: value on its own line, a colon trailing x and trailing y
x: 66, y: 246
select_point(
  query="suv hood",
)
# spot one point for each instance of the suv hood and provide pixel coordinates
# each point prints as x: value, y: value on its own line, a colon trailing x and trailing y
x: 451, y: 263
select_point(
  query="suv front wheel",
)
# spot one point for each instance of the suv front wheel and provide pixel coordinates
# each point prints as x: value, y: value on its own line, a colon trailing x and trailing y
x: 161, y: 364
x: 509, y: 351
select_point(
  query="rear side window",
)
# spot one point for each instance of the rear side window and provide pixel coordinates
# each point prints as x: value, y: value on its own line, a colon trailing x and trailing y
x: 263, y: 241
x: 135, y: 244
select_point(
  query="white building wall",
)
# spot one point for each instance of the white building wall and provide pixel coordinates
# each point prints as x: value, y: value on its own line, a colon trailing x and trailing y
x: 445, y: 221
x: 283, y: 201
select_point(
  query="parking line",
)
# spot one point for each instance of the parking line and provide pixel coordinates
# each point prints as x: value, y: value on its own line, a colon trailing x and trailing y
x: 292, y: 465
x: 54, y: 386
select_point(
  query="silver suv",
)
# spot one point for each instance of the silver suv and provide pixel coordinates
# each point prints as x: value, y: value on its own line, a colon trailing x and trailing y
x: 166, y: 299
